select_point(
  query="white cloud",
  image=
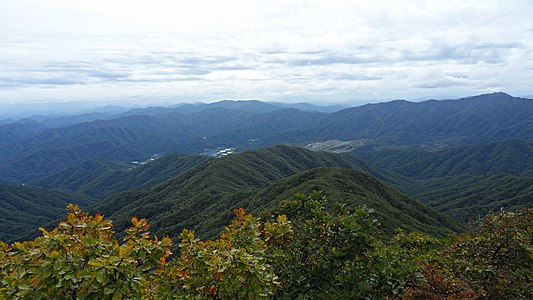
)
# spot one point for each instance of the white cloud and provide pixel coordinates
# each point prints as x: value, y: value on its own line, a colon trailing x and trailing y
x: 324, y: 50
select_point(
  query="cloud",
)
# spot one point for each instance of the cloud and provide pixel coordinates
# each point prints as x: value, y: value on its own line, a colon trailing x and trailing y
x: 9, y: 82
x: 333, y: 51
x: 441, y: 83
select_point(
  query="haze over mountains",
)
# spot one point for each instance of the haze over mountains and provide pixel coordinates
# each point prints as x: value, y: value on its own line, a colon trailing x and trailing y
x: 406, y: 160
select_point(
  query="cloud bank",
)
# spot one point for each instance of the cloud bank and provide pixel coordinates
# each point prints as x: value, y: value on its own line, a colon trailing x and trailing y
x: 331, y: 51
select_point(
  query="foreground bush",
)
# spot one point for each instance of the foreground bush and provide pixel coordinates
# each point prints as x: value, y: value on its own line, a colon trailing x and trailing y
x: 301, y: 252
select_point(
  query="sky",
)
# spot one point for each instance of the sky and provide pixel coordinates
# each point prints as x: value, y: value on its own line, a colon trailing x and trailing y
x: 315, y: 51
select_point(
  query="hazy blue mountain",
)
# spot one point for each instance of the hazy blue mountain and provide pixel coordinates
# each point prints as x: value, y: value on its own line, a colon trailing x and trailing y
x: 134, y: 138
x: 124, y: 139
x: 12, y: 132
x: 249, y: 136
x: 251, y: 106
x: 256, y: 106
x: 62, y: 121
x: 479, y: 119
x: 55, y: 120
x: 311, y: 107
x: 7, y: 121
x: 53, y: 109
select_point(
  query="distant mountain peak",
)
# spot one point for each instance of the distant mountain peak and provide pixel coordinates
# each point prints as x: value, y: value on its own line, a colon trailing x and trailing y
x: 490, y: 96
x: 232, y: 101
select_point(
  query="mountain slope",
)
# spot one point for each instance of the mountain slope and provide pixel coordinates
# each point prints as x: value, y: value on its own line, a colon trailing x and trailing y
x: 24, y: 209
x: 479, y: 119
x: 98, y: 178
x: 353, y: 188
x: 512, y: 157
x: 203, y: 198
x: 251, y: 125
x: 468, y: 197
x: 465, y: 182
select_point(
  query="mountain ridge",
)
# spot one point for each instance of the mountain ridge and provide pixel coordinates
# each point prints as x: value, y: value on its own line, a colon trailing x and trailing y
x: 203, y: 199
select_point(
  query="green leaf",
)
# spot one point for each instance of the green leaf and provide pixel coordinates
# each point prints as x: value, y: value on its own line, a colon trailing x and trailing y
x: 101, y: 277
x: 117, y: 295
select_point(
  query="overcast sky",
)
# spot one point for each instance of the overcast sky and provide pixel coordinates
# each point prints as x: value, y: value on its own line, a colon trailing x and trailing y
x: 328, y: 51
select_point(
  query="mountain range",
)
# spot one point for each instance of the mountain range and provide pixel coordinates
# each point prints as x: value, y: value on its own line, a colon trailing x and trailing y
x: 429, y: 166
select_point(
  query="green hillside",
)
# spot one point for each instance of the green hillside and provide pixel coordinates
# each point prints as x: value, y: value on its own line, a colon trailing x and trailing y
x: 513, y: 157
x: 98, y: 178
x: 465, y: 197
x: 25, y: 209
x: 354, y: 188
x: 465, y: 182
x: 202, y: 199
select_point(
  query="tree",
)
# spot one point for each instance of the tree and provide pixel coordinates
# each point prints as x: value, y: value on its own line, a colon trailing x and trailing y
x: 496, y: 258
x: 81, y: 259
x: 328, y: 254
x: 232, y: 267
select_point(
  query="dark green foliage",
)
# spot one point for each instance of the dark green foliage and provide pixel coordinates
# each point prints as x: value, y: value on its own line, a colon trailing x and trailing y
x: 24, y: 209
x: 92, y: 177
x: 465, y: 182
x: 328, y: 253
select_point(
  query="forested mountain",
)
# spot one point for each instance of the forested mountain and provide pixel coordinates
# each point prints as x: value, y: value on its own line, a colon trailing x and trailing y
x: 16, y: 131
x: 512, y: 157
x: 461, y: 195
x: 354, y: 188
x: 463, y: 157
x: 250, y: 106
x: 114, y: 112
x: 98, y: 178
x: 26, y: 156
x: 202, y: 199
x: 467, y: 197
x: 479, y: 119
x: 137, y: 137
x: 24, y: 209
x: 465, y: 182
